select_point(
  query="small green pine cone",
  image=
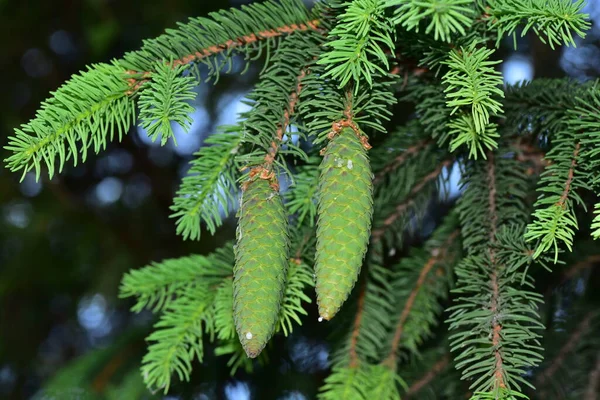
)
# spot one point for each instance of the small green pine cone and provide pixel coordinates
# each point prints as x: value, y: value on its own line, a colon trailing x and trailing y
x: 345, y: 210
x: 261, y: 261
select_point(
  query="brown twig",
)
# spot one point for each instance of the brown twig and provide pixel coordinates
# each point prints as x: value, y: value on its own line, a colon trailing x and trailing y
x: 495, y: 285
x: 356, y: 326
x: 578, y: 267
x: 591, y: 392
x: 437, y: 254
x: 571, y: 174
x: 401, y: 208
x: 347, y: 122
x: 265, y: 171
x: 565, y: 350
x: 428, y: 377
x: 142, y: 76
x: 527, y: 153
x: 401, y: 159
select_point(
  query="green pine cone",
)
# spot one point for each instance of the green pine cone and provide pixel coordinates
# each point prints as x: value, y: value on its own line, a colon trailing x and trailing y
x: 345, y: 211
x: 261, y: 261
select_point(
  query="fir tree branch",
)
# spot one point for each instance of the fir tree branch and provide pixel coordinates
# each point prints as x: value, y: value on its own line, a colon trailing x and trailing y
x: 438, y: 367
x: 353, y: 355
x: 327, y: 109
x: 88, y: 110
x: 437, y: 254
x: 554, y: 218
x: 274, y: 102
x: 472, y: 87
x: 400, y: 159
x: 224, y: 31
x: 265, y: 171
x: 496, y: 326
x: 553, y: 21
x: 496, y: 317
x: 593, y: 387
x: 565, y: 350
x: 565, y: 194
x: 576, y: 268
x: 164, y: 101
x: 209, y: 188
x: 445, y: 17
x: 401, y: 208
x: 359, y: 42
x: 89, y: 107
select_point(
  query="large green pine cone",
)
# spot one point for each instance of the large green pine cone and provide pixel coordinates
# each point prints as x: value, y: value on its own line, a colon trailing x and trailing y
x: 261, y: 261
x: 345, y: 211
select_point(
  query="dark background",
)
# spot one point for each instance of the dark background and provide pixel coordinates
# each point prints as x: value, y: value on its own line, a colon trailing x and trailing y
x: 65, y: 243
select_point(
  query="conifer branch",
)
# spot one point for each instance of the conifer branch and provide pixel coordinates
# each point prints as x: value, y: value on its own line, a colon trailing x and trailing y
x: 203, y: 38
x: 401, y: 208
x: 593, y: 386
x: 265, y: 171
x: 445, y: 18
x: 495, y: 295
x: 273, y: 108
x: 87, y: 110
x: 565, y: 350
x: 576, y: 268
x: 473, y: 87
x: 359, y: 42
x: 353, y: 356
x: 554, y: 21
x: 494, y: 310
x: 554, y: 218
x: 326, y: 109
x: 209, y: 188
x: 438, y: 367
x: 400, y: 159
x: 565, y: 194
x: 436, y: 255
x: 164, y: 101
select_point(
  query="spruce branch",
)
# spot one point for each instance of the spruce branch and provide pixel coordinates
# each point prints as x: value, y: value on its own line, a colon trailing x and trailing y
x: 163, y: 102
x: 95, y: 105
x: 401, y: 208
x: 429, y: 376
x: 353, y: 355
x: 177, y: 340
x: 385, y: 383
x: 156, y: 285
x: 266, y: 169
x: 252, y: 28
x: 554, y: 217
x: 359, y: 42
x: 445, y: 18
x: 492, y: 308
x: 593, y: 386
x: 346, y: 383
x: 87, y: 111
x: 400, y: 159
x: 567, y: 348
x: 326, y: 109
x: 472, y: 87
x: 209, y: 188
x: 420, y: 298
x: 274, y: 102
x: 554, y: 21
x: 300, y: 200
